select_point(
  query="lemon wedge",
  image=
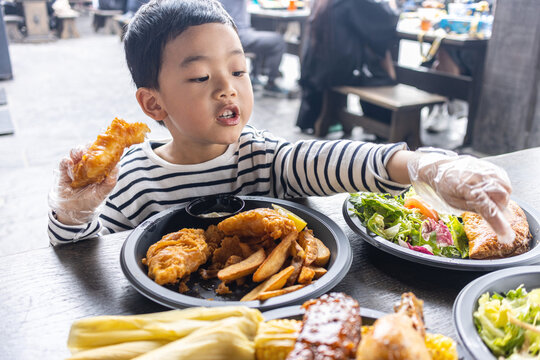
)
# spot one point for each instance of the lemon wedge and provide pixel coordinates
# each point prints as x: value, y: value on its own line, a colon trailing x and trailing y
x: 298, y: 221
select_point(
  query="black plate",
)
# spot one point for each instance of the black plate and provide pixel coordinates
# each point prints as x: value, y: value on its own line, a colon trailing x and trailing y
x: 467, y: 303
x: 530, y: 257
x: 369, y: 316
x: 202, y: 291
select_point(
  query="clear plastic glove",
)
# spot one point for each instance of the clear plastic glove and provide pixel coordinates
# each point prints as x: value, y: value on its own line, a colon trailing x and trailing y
x: 452, y: 184
x: 77, y: 206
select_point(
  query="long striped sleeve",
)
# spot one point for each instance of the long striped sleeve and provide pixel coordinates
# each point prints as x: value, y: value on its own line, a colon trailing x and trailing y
x: 259, y: 164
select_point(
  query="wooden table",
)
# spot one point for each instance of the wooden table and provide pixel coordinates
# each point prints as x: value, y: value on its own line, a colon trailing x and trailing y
x: 36, y: 19
x: 461, y: 87
x: 278, y: 20
x: 43, y: 291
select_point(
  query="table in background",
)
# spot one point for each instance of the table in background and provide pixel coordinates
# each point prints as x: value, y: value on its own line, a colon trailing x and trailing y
x: 278, y: 20
x: 461, y: 87
x: 43, y: 291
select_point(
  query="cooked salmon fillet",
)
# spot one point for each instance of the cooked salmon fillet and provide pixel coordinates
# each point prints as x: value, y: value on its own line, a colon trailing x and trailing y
x: 483, y: 242
x: 103, y: 155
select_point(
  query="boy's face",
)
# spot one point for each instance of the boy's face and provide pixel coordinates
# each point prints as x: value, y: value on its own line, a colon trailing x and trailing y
x: 204, y: 86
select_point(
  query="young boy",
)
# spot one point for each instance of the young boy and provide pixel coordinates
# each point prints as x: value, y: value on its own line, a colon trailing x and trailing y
x: 187, y: 62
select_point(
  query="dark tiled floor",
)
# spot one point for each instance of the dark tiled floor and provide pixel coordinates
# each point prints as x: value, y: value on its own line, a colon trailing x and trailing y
x: 62, y: 94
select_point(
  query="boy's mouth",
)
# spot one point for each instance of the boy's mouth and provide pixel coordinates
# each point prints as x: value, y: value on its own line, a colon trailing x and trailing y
x: 229, y: 115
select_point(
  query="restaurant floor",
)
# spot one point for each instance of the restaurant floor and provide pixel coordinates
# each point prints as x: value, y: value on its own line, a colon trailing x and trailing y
x: 64, y: 92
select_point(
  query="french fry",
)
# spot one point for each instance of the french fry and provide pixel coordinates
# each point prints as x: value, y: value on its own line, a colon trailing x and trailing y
x: 309, y: 243
x: 296, y: 250
x: 276, y: 259
x: 319, y: 271
x: 306, y: 275
x: 275, y: 282
x: 323, y: 254
x: 297, y: 261
x: 273, y: 293
x: 242, y: 268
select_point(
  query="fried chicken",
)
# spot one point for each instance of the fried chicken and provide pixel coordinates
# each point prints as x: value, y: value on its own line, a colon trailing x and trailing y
x: 413, y: 307
x: 393, y: 337
x: 103, y: 155
x: 258, y: 223
x: 398, y: 336
x: 214, y: 237
x: 483, y: 242
x: 176, y: 255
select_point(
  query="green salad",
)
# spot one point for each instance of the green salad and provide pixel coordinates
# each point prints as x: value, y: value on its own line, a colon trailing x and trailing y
x: 409, y: 222
x: 509, y: 324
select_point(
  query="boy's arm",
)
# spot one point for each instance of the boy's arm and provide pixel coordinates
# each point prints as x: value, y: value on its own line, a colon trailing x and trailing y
x: 110, y: 220
x: 397, y: 166
x: 324, y: 168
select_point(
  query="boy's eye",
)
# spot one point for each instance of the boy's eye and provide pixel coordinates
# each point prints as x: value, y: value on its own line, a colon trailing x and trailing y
x: 238, y: 73
x: 200, y: 80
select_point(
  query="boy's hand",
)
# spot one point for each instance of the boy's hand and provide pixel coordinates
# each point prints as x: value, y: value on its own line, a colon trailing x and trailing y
x: 452, y: 184
x: 77, y: 206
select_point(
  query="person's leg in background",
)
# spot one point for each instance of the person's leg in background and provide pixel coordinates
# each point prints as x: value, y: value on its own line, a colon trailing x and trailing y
x: 268, y: 48
x: 441, y: 116
x: 310, y: 109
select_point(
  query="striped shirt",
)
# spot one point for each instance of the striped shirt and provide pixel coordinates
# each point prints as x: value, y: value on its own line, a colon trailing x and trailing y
x: 258, y: 164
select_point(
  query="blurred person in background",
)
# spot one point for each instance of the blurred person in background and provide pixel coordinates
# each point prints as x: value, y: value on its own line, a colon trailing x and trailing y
x: 455, y: 62
x: 268, y: 46
x: 111, y: 4
x: 132, y: 6
x: 347, y: 43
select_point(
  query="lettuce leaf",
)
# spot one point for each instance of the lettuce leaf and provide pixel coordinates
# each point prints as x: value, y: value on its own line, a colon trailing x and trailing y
x: 505, y: 338
x: 386, y: 216
x: 461, y: 242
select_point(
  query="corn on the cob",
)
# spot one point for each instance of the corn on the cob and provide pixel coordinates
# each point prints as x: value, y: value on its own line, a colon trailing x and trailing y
x: 171, y: 325
x: 225, y: 339
x: 441, y: 347
x: 366, y: 329
x: 276, y: 338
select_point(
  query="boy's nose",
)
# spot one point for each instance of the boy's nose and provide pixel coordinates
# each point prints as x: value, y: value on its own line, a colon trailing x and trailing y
x: 226, y: 89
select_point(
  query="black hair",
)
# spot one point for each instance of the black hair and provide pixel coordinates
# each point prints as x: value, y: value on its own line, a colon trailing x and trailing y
x: 157, y: 23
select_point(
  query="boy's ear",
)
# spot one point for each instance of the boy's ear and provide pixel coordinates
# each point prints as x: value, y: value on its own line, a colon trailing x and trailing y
x: 149, y: 102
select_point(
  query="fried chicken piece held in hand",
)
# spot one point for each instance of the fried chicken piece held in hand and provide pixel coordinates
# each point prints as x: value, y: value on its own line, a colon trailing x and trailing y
x: 103, y: 155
